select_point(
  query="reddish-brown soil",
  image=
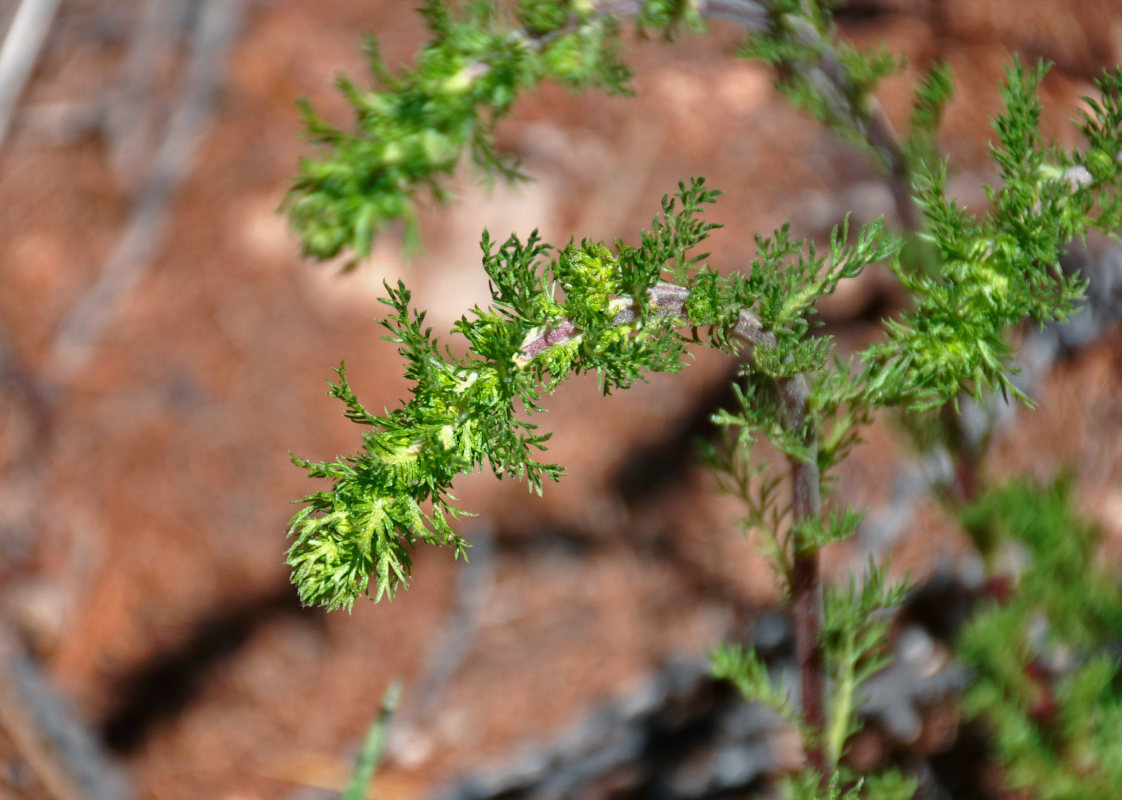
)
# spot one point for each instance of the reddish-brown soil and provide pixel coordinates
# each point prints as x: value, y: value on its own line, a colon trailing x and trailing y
x: 146, y: 492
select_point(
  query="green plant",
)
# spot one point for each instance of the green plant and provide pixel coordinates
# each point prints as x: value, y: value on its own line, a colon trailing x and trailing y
x: 625, y: 310
x: 372, y: 746
x: 1045, y: 654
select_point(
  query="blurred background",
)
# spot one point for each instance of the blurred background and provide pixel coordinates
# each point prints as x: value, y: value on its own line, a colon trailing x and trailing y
x: 163, y: 348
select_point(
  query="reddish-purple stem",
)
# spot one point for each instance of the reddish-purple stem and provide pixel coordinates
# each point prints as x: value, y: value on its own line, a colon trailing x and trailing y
x: 805, y: 580
x: 670, y: 300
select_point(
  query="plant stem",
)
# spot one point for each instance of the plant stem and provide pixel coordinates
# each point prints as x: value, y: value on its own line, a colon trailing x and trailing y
x: 865, y: 115
x: 805, y: 587
x: 794, y: 392
x: 829, y: 73
x: 373, y: 746
x: 752, y: 15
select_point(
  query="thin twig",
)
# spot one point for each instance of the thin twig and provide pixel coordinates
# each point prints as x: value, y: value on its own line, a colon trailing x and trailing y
x: 20, y: 52
x: 806, y: 599
x: 454, y: 643
x: 59, y: 750
x: 829, y: 75
x: 217, y: 25
x: 131, y: 117
x: 17, y: 379
x: 831, y: 78
x: 753, y: 16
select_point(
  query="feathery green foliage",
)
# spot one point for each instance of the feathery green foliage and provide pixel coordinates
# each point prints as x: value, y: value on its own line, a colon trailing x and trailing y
x: 412, y: 129
x: 551, y: 319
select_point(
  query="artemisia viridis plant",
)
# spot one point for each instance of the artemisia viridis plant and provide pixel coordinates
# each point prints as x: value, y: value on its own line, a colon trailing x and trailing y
x: 623, y: 311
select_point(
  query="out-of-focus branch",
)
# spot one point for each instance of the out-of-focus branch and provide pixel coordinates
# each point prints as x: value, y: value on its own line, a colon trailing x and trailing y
x: 130, y: 121
x: 218, y: 23
x: 828, y: 74
x: 20, y: 52
x: 753, y: 16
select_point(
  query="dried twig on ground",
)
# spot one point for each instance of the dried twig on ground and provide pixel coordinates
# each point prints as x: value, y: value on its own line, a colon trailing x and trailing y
x: 20, y: 52
x: 218, y: 23
x: 447, y: 655
x: 59, y: 750
x: 131, y: 118
x: 16, y: 381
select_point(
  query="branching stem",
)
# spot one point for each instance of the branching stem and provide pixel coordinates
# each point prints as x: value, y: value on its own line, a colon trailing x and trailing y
x: 806, y: 591
x: 670, y: 300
